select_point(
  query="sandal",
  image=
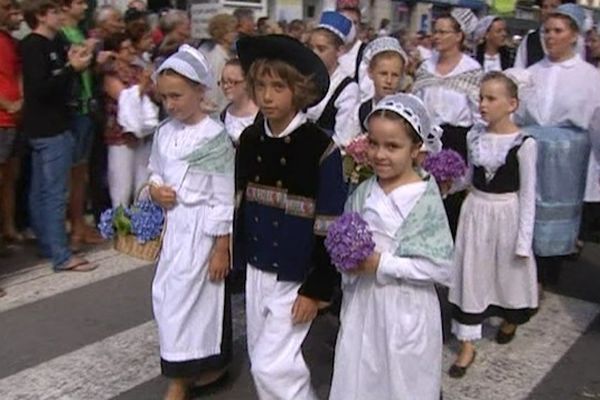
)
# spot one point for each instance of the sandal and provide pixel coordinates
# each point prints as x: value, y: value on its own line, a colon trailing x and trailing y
x: 76, y: 264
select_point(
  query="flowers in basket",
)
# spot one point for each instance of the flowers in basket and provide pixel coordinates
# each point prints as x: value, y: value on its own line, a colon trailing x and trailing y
x: 349, y: 241
x: 356, y: 164
x: 144, y: 220
x: 445, y: 166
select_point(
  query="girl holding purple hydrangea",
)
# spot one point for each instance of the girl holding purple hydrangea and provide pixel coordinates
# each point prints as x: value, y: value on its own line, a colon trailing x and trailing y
x: 495, y: 266
x: 191, y: 166
x: 390, y: 340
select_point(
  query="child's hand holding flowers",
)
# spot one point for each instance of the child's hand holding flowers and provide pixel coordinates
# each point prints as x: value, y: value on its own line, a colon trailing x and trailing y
x: 163, y: 196
x: 369, y: 265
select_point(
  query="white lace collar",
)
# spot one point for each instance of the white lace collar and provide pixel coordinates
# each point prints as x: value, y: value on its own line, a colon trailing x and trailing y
x: 489, y: 150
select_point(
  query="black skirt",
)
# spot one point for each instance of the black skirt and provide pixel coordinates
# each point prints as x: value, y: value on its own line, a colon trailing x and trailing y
x: 517, y: 316
x: 455, y: 138
x: 193, y: 368
x: 590, y: 223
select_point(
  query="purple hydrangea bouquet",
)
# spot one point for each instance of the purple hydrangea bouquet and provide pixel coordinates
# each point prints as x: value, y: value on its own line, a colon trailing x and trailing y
x: 349, y: 241
x: 445, y: 166
x: 136, y: 230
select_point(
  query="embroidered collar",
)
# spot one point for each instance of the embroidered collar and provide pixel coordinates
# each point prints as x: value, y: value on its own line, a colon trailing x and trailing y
x: 298, y: 120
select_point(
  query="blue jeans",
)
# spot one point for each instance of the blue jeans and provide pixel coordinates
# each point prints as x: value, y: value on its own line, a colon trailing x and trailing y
x: 82, y: 130
x: 51, y: 161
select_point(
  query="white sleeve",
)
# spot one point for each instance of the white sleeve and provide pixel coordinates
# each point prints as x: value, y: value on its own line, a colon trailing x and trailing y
x: 527, y: 156
x: 345, y: 128
x: 416, y: 269
x: 155, y: 163
x: 220, y: 214
x: 136, y: 113
x: 367, y: 89
x: 150, y: 112
x: 521, y: 57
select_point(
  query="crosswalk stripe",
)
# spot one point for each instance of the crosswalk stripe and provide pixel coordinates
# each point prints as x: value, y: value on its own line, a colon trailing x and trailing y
x: 107, y: 368
x: 99, y: 371
x: 512, y: 371
x: 40, y: 282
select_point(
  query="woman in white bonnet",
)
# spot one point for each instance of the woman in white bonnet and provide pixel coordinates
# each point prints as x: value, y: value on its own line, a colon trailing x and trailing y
x: 561, y: 109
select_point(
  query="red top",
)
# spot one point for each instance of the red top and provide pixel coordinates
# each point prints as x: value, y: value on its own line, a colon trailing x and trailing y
x: 10, y: 71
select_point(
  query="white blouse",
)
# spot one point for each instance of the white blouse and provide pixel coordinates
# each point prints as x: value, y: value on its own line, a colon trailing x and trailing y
x: 173, y: 141
x: 385, y: 214
x: 491, y: 63
x: 448, y: 106
x: 560, y: 93
x: 345, y: 123
x: 236, y: 125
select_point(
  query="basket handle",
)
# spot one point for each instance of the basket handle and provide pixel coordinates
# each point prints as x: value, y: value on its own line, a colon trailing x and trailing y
x: 141, y: 190
x: 137, y: 198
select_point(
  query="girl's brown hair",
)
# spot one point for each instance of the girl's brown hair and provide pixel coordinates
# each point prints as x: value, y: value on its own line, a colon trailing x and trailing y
x: 385, y: 55
x: 511, y: 87
x: 304, y: 89
x: 392, y: 116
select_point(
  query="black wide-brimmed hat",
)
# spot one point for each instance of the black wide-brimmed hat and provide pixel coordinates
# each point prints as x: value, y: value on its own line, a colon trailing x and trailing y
x: 289, y: 50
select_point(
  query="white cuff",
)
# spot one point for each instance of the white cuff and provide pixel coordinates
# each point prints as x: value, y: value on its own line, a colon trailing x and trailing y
x: 219, y: 221
x: 390, y: 269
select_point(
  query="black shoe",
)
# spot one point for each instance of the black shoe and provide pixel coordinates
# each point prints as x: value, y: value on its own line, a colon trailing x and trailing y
x: 456, y: 371
x: 505, y: 338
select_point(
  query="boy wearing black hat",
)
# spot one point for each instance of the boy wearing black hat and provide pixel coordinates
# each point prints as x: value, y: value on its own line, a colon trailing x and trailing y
x: 289, y: 188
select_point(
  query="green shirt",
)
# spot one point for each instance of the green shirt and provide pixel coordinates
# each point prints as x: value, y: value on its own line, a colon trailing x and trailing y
x: 75, y: 36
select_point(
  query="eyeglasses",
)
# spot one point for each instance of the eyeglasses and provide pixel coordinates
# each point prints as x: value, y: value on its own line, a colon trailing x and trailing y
x: 230, y: 83
x: 442, y: 32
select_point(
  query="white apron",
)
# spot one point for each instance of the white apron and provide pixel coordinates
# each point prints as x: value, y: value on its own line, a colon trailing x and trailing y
x: 390, y: 340
x: 188, y: 306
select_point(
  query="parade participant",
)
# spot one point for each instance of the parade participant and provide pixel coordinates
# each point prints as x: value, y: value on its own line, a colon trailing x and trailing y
x: 335, y: 112
x: 495, y: 271
x: 448, y: 83
x: 390, y: 340
x: 191, y: 166
x: 289, y: 188
x: 492, y: 52
x: 386, y: 60
x: 48, y: 73
x: 241, y: 111
x: 590, y: 216
x: 533, y: 48
x: 560, y: 109
x: 350, y: 61
x: 82, y: 129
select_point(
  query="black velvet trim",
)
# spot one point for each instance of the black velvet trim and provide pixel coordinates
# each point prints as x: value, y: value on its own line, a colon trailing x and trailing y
x: 512, y: 316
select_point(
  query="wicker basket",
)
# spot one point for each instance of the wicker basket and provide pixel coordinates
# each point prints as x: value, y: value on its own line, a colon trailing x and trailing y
x: 129, y: 245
